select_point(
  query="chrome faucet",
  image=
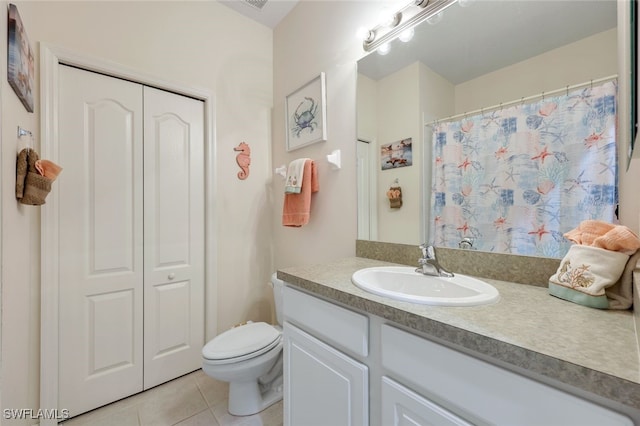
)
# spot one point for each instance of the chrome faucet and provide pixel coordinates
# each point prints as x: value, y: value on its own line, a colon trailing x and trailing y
x: 428, y: 264
x: 466, y: 243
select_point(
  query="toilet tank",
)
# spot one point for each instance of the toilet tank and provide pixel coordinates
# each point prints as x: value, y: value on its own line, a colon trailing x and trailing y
x: 278, y: 287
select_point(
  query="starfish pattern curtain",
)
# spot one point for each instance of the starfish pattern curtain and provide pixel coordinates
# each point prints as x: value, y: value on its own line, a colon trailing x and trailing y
x: 515, y: 180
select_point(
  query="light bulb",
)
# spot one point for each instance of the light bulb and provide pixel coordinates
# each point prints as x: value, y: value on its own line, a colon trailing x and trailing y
x: 389, y: 19
x: 434, y: 19
x: 384, y: 49
x: 406, y: 35
x: 364, y: 34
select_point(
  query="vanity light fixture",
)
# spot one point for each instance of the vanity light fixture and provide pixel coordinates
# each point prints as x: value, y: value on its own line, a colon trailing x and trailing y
x: 405, y: 19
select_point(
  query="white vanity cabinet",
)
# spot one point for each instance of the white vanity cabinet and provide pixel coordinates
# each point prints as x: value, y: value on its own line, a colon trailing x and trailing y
x: 336, y: 361
x: 480, y: 392
x: 322, y: 384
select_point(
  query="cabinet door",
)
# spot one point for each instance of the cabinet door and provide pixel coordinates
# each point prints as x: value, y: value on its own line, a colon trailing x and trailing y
x: 322, y: 385
x: 403, y: 407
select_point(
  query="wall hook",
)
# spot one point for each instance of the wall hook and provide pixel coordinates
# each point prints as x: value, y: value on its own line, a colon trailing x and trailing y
x: 24, y: 132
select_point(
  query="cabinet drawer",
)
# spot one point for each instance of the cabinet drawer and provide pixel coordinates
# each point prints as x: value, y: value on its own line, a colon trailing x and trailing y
x: 329, y: 322
x: 483, y: 392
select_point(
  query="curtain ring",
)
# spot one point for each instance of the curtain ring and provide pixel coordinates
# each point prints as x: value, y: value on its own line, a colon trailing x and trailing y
x: 542, y: 96
x: 522, y: 101
x: 567, y: 90
x: 592, y: 84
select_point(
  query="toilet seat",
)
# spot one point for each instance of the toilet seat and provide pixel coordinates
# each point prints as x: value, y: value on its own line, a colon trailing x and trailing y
x: 241, y: 343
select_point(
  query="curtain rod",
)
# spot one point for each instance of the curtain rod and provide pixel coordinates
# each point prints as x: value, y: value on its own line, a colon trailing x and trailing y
x: 522, y: 100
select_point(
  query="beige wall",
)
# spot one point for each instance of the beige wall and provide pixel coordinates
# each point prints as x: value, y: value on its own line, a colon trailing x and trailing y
x: 199, y: 44
x: 588, y: 59
x: 404, y: 100
x: 399, y: 118
x: 319, y: 36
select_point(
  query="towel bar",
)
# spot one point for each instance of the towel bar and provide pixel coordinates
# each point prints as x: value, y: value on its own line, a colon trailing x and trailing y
x: 334, y: 159
x: 282, y: 171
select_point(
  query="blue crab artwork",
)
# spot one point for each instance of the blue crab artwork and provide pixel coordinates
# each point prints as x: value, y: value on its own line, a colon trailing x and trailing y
x: 304, y: 116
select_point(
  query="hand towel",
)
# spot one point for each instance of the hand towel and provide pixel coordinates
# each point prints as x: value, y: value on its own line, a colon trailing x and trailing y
x: 597, y: 233
x: 22, y: 167
x: 620, y: 239
x: 296, y: 210
x: 48, y: 169
x: 295, y: 176
x: 587, y: 231
x: 31, y: 186
x: 394, y: 194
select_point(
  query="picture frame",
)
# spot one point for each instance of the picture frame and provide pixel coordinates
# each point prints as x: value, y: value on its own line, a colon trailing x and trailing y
x: 306, y: 114
x: 396, y: 154
x: 20, y: 61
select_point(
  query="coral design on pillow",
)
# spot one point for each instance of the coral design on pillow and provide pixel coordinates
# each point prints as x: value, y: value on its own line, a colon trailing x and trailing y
x: 575, y: 277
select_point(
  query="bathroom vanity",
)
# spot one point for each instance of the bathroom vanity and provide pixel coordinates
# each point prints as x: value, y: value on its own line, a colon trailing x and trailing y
x: 355, y: 358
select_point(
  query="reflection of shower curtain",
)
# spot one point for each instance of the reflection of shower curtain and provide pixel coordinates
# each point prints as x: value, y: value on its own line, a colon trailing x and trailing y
x: 517, y: 179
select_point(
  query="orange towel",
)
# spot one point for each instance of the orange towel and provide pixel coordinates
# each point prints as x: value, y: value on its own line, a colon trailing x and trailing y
x: 620, y: 239
x: 297, y: 207
x: 597, y: 233
x: 587, y: 231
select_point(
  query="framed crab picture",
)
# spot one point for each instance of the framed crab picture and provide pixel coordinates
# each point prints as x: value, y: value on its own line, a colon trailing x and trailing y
x: 306, y: 114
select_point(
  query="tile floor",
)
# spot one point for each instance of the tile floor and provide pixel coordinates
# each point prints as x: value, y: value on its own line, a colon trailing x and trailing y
x: 192, y: 400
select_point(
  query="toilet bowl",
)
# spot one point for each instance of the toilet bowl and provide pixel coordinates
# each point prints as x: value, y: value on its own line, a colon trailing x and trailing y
x: 249, y: 357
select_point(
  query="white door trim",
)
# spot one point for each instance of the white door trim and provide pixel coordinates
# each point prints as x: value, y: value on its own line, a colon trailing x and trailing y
x: 50, y: 58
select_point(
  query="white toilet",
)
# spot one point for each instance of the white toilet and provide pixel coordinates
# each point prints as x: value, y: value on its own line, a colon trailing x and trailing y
x: 249, y: 357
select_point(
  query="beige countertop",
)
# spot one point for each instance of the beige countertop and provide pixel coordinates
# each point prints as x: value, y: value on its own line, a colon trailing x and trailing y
x: 591, y: 350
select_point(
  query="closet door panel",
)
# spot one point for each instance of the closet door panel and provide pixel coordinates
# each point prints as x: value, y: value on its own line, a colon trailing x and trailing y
x: 171, y: 191
x: 101, y: 239
x: 174, y: 234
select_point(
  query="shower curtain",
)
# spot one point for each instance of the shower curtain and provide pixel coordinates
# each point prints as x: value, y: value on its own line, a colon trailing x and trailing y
x: 515, y: 180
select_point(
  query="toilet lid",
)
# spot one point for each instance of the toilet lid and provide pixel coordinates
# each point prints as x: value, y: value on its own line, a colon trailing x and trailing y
x: 240, y: 341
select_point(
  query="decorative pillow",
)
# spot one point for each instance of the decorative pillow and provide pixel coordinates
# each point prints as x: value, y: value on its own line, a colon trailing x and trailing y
x: 584, y: 274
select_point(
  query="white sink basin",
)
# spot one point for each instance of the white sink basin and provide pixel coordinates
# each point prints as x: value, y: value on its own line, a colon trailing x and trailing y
x: 405, y: 284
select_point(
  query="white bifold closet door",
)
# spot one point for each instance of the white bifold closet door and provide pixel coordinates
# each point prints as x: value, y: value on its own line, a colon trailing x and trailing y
x: 173, y: 235
x: 131, y: 235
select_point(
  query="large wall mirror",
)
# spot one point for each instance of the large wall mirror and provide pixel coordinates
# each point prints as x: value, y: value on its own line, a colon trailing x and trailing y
x: 481, y: 54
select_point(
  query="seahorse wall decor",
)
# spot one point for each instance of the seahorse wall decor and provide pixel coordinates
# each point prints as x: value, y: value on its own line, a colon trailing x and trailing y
x: 243, y: 159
